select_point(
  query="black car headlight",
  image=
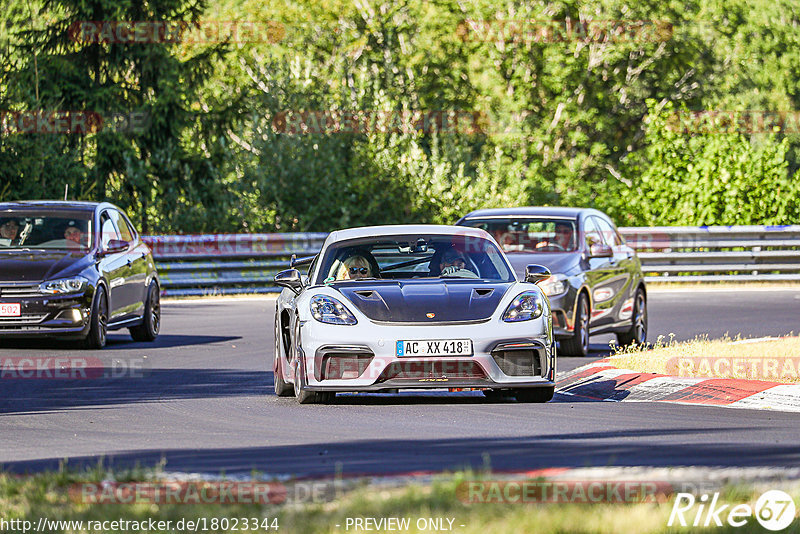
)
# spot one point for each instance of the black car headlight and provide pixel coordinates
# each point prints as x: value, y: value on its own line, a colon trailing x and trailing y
x: 65, y: 286
x: 524, y: 307
x: 329, y: 310
x: 555, y: 285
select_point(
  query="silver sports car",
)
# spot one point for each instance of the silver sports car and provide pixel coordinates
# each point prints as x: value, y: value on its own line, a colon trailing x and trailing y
x: 412, y: 306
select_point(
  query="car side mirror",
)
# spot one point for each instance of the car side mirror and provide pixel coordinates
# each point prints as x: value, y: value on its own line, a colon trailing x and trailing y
x: 536, y: 273
x: 290, y: 278
x: 600, y: 250
x: 115, y: 246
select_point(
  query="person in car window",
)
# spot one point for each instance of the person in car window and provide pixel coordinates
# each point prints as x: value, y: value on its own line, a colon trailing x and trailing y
x: 8, y: 232
x: 355, y: 267
x: 562, y: 239
x: 454, y: 265
x: 74, y: 236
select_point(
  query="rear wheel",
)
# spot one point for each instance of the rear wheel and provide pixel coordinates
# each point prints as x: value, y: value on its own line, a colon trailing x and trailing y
x: 578, y: 344
x: 282, y: 389
x: 98, y: 321
x: 151, y: 322
x: 637, y: 335
x: 534, y: 394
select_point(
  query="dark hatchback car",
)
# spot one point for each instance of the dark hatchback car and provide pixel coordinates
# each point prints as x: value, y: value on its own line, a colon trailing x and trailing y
x: 75, y: 269
x: 596, y: 285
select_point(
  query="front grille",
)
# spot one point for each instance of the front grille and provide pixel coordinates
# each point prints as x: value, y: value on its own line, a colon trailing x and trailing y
x: 525, y: 362
x: 431, y: 370
x: 19, y: 291
x: 23, y: 320
x: 337, y: 365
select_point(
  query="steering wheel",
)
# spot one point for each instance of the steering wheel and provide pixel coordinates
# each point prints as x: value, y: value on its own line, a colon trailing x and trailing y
x: 551, y: 246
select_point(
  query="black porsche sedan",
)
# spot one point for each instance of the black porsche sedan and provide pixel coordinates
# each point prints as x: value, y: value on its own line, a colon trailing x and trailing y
x: 77, y: 270
x: 596, y: 285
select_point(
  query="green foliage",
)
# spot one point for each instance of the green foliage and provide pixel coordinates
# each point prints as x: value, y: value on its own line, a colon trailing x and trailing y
x: 707, y: 178
x: 577, y: 121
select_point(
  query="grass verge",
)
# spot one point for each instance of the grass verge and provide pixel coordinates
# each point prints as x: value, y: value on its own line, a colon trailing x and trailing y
x: 47, y: 495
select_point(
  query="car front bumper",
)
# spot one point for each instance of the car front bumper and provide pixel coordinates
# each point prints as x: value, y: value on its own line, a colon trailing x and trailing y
x: 364, y: 358
x: 46, y: 315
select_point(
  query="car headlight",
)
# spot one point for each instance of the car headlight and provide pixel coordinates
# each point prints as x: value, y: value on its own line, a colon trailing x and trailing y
x: 329, y: 310
x: 555, y: 285
x: 524, y: 307
x: 62, y: 287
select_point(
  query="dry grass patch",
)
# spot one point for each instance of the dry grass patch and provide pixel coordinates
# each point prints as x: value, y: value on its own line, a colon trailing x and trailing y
x: 773, y: 359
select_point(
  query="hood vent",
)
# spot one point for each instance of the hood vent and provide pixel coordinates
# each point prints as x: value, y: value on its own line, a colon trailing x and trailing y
x: 483, y: 292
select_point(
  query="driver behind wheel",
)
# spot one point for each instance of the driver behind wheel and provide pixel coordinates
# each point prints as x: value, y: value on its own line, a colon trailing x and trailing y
x: 562, y: 239
x: 454, y: 264
x: 8, y: 232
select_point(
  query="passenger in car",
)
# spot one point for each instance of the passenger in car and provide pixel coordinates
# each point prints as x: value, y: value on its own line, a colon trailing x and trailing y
x: 355, y: 267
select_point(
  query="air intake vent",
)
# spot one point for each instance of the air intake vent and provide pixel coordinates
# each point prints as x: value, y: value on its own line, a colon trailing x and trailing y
x: 518, y: 362
x: 484, y: 292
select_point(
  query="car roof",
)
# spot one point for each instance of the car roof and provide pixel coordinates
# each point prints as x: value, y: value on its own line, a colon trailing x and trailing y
x: 544, y: 211
x: 52, y: 204
x: 404, y: 229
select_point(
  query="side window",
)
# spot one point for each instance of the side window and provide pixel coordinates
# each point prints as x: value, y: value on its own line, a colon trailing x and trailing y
x: 107, y: 229
x: 591, y: 231
x: 125, y: 232
x: 609, y: 233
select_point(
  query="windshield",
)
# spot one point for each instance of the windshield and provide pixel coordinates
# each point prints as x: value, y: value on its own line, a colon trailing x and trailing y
x: 530, y: 234
x: 27, y: 229
x: 414, y: 256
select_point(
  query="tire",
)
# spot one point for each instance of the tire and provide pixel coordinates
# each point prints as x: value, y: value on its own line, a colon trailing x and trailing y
x: 303, y: 396
x: 534, y: 394
x: 637, y: 335
x: 578, y: 344
x: 151, y: 322
x: 282, y: 389
x: 98, y: 322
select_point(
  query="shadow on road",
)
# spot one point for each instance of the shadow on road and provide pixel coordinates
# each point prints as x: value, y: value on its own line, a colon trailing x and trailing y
x: 19, y: 395
x: 115, y: 341
x: 645, y: 447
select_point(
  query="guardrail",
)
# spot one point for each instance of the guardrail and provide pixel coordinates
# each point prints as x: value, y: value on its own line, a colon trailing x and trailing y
x: 717, y: 253
x: 245, y: 263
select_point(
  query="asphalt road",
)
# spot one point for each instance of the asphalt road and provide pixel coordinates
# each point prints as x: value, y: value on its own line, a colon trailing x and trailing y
x: 200, y: 399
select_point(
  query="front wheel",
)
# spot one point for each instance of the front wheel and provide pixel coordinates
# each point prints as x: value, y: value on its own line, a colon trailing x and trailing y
x: 637, y: 335
x: 534, y: 394
x: 151, y: 321
x: 578, y: 344
x: 302, y: 395
x: 98, y: 321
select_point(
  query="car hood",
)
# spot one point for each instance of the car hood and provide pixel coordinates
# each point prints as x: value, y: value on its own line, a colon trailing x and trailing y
x: 415, y: 301
x: 556, y: 262
x: 37, y: 265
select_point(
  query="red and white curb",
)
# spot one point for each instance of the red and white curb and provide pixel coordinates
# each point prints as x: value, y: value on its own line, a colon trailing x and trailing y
x: 603, y: 382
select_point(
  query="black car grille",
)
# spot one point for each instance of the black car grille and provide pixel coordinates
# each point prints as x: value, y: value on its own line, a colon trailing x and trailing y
x: 23, y: 320
x: 19, y: 291
x: 517, y: 362
x: 432, y: 371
